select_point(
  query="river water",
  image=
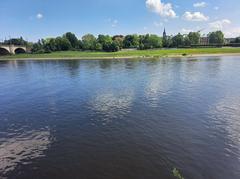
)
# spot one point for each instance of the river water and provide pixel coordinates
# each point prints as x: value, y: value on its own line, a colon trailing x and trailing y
x: 120, y: 119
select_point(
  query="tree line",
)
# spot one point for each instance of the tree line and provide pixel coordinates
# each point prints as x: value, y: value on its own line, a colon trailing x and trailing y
x: 107, y: 43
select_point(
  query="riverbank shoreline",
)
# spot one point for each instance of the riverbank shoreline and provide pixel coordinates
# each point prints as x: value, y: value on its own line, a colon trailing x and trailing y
x: 133, y: 54
x: 118, y: 58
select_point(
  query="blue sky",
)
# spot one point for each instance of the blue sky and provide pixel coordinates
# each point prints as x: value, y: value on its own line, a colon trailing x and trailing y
x: 34, y: 19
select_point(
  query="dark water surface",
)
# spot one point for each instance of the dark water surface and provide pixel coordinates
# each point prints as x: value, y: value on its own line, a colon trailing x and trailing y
x: 120, y: 119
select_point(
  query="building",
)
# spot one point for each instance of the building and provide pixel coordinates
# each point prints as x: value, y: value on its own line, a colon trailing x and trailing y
x: 164, y: 33
x: 229, y: 40
x: 204, y: 41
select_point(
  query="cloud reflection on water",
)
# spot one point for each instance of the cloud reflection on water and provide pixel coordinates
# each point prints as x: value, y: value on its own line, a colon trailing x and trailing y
x: 158, y: 85
x: 155, y: 89
x: 113, y: 104
x: 23, y: 149
x: 226, y: 114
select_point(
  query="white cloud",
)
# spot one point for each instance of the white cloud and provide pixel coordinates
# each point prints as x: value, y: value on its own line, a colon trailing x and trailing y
x: 232, y: 32
x: 113, y: 22
x: 220, y: 24
x: 195, y: 16
x: 216, y: 8
x: 39, y: 16
x: 186, y: 31
x: 200, y: 4
x: 163, y: 9
x: 225, y: 25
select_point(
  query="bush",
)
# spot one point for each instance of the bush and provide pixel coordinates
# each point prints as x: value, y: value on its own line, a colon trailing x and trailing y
x: 111, y: 47
x: 98, y: 47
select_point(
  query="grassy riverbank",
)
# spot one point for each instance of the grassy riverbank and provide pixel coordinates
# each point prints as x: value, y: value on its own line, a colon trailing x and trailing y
x: 127, y: 54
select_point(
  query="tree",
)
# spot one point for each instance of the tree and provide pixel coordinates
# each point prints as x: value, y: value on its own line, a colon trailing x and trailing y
x: 80, y: 44
x: 62, y: 44
x: 216, y: 37
x: 38, y: 47
x: 89, y: 42
x: 111, y: 46
x: 98, y: 47
x: 114, y: 47
x: 105, y: 41
x: 50, y: 45
x: 16, y: 41
x: 167, y: 41
x: 119, y: 40
x: 187, y: 41
x: 72, y: 39
x: 150, y: 42
x: 131, y: 41
x: 178, y: 40
x: 102, y: 39
x: 194, y: 38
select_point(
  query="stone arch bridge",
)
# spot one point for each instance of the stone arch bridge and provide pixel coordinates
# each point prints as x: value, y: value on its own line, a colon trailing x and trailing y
x: 12, y: 49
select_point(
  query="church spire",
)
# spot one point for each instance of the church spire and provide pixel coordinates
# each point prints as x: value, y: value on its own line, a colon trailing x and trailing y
x: 164, y: 33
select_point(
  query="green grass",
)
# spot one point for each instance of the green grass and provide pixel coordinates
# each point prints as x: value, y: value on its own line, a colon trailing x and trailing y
x: 126, y: 54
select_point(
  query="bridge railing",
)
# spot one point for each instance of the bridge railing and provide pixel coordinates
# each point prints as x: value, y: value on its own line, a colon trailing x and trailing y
x: 4, y: 44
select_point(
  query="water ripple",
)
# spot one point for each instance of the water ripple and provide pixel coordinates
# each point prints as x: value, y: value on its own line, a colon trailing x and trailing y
x: 23, y: 149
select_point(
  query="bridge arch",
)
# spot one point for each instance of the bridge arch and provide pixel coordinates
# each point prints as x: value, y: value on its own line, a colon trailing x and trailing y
x: 4, y: 51
x: 19, y: 50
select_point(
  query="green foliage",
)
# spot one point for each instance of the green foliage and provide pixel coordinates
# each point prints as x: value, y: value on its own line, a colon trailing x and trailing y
x: 16, y: 41
x: 50, y: 45
x: 72, y: 39
x: 62, y: 44
x: 128, y: 54
x: 187, y: 41
x: 111, y: 47
x: 107, y: 43
x: 38, y: 47
x: 114, y: 47
x: 149, y: 42
x: 103, y: 39
x: 89, y: 42
x: 98, y: 47
x: 194, y: 38
x: 80, y: 44
x: 216, y: 37
x: 112, y: 44
x: 119, y: 40
x: 177, y: 174
x: 167, y: 42
x: 178, y: 40
x: 131, y: 41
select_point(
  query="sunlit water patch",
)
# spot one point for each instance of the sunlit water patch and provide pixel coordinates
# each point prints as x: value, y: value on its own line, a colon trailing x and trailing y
x: 22, y: 149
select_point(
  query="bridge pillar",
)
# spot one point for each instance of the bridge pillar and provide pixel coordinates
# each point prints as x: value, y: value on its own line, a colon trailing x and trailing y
x: 12, y: 49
